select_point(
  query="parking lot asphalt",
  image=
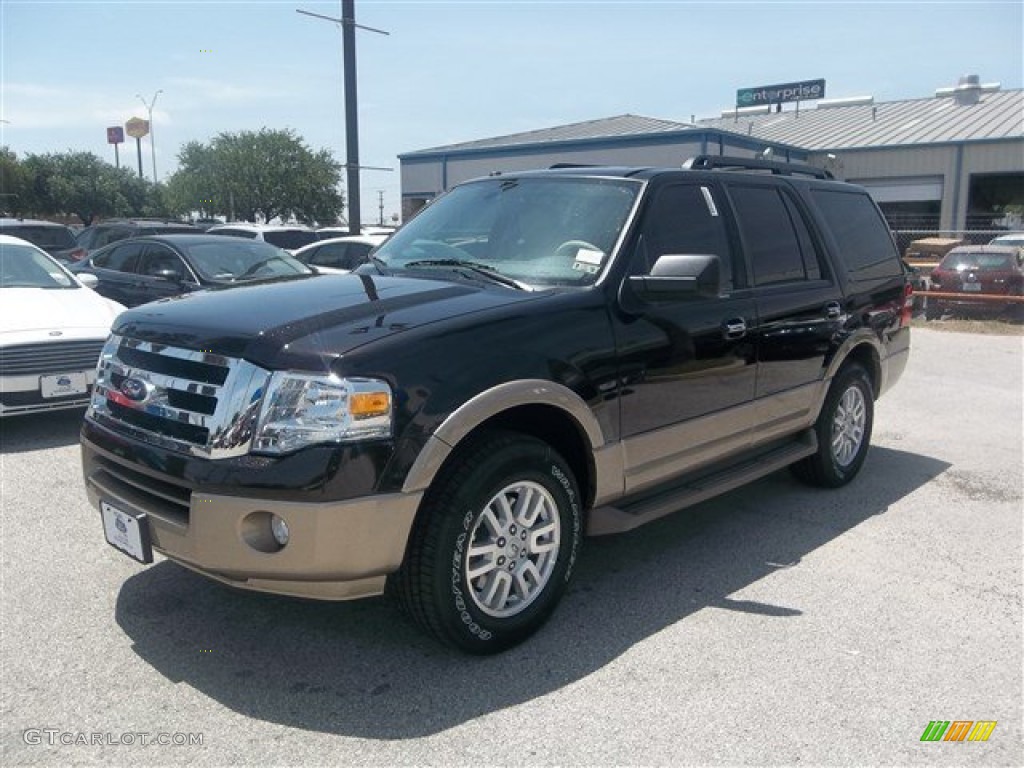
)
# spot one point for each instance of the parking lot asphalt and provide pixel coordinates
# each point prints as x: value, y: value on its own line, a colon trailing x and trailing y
x: 776, y: 625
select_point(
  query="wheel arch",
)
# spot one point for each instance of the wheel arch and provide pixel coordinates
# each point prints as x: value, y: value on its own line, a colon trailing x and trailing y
x: 546, y: 410
x: 864, y: 351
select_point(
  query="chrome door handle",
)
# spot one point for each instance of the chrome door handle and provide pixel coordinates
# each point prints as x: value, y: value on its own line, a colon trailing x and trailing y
x: 833, y: 311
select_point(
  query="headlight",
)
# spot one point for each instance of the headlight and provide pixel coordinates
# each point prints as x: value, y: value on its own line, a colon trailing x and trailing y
x: 300, y: 410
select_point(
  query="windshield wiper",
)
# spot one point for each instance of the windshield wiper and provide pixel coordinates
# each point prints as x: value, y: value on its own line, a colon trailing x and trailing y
x: 481, y: 270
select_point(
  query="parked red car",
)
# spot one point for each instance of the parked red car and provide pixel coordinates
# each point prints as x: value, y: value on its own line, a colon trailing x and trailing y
x: 976, y: 271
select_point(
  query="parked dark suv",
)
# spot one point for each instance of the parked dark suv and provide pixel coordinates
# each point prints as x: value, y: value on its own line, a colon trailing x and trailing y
x: 110, y: 231
x: 56, y: 239
x: 536, y: 356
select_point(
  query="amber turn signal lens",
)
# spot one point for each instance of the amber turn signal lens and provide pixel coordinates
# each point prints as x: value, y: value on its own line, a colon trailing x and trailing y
x: 365, y: 405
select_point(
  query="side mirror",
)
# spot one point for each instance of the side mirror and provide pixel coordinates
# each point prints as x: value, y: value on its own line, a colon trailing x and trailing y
x: 87, y: 279
x: 680, y: 276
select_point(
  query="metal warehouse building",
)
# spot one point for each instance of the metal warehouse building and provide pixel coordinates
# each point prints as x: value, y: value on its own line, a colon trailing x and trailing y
x: 951, y: 162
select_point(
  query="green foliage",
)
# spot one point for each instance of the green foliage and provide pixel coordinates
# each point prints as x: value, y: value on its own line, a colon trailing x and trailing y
x: 79, y: 183
x: 12, y: 183
x: 250, y: 175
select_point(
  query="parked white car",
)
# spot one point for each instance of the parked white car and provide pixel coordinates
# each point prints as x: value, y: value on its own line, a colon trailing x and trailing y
x: 52, y: 328
x: 339, y: 254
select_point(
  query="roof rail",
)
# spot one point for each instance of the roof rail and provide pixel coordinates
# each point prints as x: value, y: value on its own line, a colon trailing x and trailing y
x: 556, y: 166
x: 710, y: 162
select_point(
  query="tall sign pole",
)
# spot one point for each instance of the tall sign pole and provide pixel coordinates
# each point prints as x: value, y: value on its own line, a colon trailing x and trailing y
x: 137, y: 128
x: 115, y: 136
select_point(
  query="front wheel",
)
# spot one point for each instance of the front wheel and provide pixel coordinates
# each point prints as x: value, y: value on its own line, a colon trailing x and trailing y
x: 494, y: 544
x: 843, y: 430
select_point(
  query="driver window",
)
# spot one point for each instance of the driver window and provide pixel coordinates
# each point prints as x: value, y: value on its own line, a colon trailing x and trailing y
x: 685, y: 218
x: 156, y: 259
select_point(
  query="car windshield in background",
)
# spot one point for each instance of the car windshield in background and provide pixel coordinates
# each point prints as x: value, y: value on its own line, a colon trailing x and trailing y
x: 290, y: 239
x: 542, y: 232
x: 47, y: 238
x: 24, y: 267
x: 237, y: 259
x: 978, y: 261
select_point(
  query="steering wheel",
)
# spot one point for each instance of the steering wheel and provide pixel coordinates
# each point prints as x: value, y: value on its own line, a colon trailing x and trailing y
x: 579, y: 245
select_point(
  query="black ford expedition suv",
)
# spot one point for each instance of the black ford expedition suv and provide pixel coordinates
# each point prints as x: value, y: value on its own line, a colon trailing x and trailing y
x: 535, y: 357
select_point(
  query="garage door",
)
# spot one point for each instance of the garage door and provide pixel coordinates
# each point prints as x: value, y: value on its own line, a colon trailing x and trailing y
x: 905, y: 190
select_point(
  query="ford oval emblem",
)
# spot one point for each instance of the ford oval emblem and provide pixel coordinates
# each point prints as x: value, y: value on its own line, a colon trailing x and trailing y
x: 136, y: 389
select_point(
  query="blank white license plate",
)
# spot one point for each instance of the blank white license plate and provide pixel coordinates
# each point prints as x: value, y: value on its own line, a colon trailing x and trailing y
x: 976, y: 287
x: 61, y: 384
x: 128, y: 533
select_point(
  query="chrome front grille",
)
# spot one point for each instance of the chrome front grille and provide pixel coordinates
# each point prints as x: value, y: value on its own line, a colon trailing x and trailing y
x: 182, y: 399
x: 51, y: 357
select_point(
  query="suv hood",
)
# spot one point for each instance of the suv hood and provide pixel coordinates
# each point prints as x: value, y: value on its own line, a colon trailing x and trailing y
x: 304, y: 323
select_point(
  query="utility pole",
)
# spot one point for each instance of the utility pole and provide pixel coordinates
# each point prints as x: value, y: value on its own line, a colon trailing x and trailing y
x: 380, y: 205
x: 348, y: 44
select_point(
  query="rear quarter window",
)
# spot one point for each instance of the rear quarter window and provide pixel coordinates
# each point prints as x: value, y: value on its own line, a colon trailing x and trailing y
x: 860, y: 232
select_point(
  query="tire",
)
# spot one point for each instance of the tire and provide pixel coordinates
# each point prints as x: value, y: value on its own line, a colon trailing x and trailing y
x: 843, y: 429
x: 494, y: 544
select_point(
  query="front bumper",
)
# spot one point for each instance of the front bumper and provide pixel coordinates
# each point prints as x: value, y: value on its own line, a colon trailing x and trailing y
x: 337, y: 550
x: 20, y: 394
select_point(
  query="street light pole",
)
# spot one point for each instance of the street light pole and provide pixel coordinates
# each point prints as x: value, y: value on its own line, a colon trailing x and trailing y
x: 152, y: 136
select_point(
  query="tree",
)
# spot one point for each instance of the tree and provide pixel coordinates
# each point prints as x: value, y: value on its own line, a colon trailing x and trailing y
x: 249, y: 175
x: 12, y: 183
x: 85, y: 185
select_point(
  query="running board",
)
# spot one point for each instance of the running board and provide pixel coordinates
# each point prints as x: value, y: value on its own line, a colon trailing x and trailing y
x: 697, y: 488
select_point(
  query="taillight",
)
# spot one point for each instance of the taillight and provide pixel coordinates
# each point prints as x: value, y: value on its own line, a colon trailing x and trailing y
x: 78, y: 254
x: 908, y: 305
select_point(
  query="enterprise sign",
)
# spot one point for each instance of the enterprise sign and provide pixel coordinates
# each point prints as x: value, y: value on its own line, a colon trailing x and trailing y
x: 777, y: 94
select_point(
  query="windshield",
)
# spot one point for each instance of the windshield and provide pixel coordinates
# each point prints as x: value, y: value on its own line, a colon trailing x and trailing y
x: 235, y: 259
x: 538, y: 231
x: 22, y: 266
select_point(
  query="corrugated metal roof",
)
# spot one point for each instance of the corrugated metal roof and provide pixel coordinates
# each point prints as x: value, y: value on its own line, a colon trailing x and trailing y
x: 608, y: 127
x: 997, y: 115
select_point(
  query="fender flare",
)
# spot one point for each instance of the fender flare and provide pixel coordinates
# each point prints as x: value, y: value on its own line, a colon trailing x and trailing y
x: 489, y: 403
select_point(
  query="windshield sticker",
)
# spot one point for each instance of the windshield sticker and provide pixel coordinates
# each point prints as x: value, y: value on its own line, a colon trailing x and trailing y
x: 588, y: 256
x: 582, y: 266
x: 710, y: 201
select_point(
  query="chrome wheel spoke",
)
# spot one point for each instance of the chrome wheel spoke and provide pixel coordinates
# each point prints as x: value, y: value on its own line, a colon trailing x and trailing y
x: 848, y: 425
x: 513, y: 549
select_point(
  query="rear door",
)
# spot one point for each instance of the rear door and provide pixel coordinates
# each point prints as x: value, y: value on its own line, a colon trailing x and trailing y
x: 799, y: 304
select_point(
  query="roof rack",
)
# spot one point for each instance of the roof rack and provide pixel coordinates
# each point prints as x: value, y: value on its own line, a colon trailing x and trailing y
x: 710, y: 162
x: 556, y: 166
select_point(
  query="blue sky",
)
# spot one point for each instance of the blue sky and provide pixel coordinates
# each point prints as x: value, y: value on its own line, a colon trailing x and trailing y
x: 458, y: 71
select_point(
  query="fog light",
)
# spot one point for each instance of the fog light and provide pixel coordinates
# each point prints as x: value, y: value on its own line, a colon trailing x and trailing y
x: 279, y: 528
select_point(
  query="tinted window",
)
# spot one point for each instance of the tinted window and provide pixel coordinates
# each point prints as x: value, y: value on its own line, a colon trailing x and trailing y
x: 769, y: 237
x: 248, y: 234
x: 156, y: 259
x: 121, y: 258
x: 290, y: 239
x: 864, y: 241
x: 685, y: 218
x: 331, y: 255
x: 47, y: 238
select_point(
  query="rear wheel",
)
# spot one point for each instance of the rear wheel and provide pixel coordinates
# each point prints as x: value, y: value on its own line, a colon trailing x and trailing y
x: 843, y: 430
x: 493, y: 545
